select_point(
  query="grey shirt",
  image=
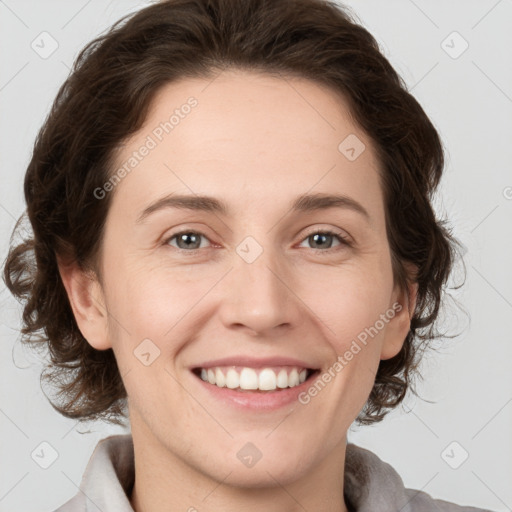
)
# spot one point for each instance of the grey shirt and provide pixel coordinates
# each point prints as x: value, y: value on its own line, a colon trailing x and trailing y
x: 371, y: 485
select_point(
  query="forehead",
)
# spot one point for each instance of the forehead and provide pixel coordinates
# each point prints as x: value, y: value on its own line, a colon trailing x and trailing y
x: 248, y: 135
x: 249, y: 107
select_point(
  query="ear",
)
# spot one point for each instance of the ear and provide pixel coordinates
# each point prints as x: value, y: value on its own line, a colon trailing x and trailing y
x: 403, y: 306
x: 87, y: 301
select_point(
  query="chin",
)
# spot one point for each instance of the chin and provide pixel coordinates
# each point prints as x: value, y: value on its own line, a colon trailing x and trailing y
x: 263, y: 474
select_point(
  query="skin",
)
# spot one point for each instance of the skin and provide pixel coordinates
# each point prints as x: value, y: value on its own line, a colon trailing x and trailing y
x: 256, y: 142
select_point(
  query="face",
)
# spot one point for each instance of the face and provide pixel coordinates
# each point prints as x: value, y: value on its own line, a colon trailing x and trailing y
x: 256, y: 275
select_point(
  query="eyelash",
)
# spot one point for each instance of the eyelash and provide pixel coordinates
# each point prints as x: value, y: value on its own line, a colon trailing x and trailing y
x: 342, y: 239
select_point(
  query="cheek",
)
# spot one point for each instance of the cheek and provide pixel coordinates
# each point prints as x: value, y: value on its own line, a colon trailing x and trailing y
x: 350, y: 300
x: 165, y: 306
x: 147, y: 299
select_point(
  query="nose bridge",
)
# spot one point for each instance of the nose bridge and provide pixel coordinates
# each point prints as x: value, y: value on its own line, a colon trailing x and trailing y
x: 258, y: 294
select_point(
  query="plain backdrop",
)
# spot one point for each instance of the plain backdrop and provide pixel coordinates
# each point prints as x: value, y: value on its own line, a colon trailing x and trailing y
x: 456, y: 58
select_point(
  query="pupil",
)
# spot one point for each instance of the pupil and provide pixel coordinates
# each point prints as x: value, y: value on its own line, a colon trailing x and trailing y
x: 186, y: 238
x: 315, y: 237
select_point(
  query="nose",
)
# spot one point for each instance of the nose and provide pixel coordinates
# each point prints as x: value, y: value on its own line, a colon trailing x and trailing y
x: 258, y: 297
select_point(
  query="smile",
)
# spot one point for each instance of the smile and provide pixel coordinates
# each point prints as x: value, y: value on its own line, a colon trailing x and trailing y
x: 254, y: 379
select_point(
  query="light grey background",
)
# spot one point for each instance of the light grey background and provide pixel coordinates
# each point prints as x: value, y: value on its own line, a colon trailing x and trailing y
x: 469, y: 381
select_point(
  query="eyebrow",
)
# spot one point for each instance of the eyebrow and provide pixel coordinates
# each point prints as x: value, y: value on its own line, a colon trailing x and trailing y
x: 303, y: 203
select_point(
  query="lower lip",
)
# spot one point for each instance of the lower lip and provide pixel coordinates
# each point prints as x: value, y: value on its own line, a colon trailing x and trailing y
x: 256, y: 400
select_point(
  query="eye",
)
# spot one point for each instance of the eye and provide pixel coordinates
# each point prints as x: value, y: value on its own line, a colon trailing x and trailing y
x: 186, y: 240
x: 323, y: 239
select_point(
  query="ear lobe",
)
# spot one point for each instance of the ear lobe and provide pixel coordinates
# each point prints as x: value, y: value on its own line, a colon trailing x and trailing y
x: 87, y: 301
x: 399, y: 326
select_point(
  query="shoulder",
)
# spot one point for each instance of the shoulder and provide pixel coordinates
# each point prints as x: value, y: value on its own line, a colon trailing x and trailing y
x: 107, y: 478
x: 75, y: 504
x: 422, y: 502
x: 373, y: 484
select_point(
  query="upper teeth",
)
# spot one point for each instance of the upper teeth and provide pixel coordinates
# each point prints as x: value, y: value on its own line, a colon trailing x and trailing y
x: 266, y: 379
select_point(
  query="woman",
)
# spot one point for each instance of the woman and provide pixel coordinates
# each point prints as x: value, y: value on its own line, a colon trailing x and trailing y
x: 235, y: 248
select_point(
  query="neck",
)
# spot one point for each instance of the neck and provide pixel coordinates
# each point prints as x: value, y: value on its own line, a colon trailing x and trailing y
x: 165, y: 482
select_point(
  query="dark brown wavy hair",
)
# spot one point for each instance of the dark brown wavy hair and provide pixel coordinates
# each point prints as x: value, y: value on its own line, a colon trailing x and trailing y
x: 106, y: 98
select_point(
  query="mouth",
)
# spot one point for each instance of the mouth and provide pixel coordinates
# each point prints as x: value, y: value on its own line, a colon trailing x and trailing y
x: 245, y: 379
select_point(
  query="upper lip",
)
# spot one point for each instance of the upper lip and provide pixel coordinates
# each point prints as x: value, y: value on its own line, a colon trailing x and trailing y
x: 255, y: 362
